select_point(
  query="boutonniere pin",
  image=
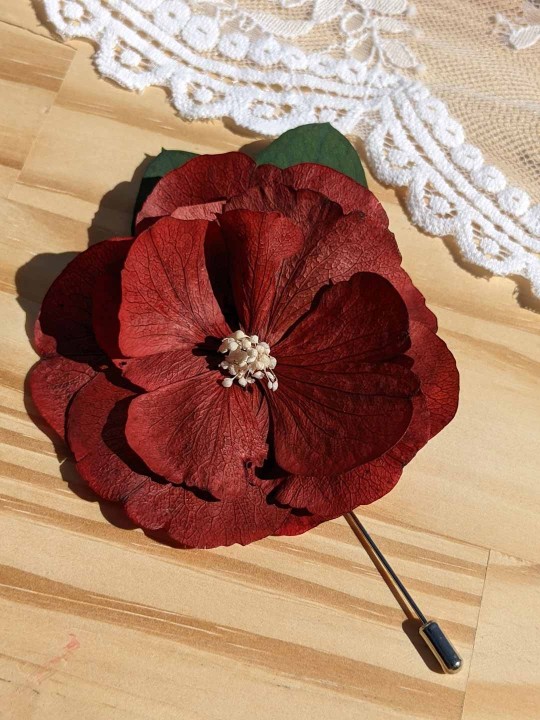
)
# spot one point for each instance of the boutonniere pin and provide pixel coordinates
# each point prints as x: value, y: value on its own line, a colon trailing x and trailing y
x: 254, y: 360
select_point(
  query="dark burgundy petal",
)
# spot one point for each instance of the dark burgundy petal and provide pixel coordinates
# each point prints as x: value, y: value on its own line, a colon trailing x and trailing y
x: 329, y: 496
x: 413, y: 298
x: 155, y: 371
x: 344, y: 395
x: 193, y: 522
x: 167, y: 298
x: 106, y: 299
x: 436, y: 369
x: 151, y: 505
x: 257, y: 243
x: 199, y: 433
x: 353, y: 197
x: 205, y: 181
x: 65, y: 321
x: 96, y: 435
x: 305, y: 208
x: 336, y: 186
x: 372, y: 248
x: 352, y: 245
x: 217, y: 265
x: 96, y: 430
x: 53, y: 382
x: 332, y: 253
x: 242, y: 519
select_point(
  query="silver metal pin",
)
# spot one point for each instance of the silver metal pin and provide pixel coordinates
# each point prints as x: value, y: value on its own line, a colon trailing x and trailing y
x: 443, y: 650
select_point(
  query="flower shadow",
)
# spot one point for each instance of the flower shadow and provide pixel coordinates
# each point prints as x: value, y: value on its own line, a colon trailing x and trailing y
x: 32, y: 281
x: 112, y: 512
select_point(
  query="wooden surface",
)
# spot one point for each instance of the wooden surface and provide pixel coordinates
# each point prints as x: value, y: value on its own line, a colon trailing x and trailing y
x: 100, y: 623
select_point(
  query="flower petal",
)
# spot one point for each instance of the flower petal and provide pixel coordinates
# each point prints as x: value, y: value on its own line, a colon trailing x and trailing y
x: 65, y: 321
x: 204, y: 211
x: 336, y: 186
x: 296, y: 524
x: 372, y: 247
x: 167, y: 299
x: 181, y: 515
x: 258, y: 243
x: 152, y: 372
x: 436, y: 369
x: 53, y: 382
x: 106, y: 300
x: 96, y: 435
x: 241, y: 519
x: 306, y: 208
x: 329, y: 496
x: 344, y: 395
x: 333, y: 252
x: 199, y: 433
x: 206, y: 180
x: 96, y: 430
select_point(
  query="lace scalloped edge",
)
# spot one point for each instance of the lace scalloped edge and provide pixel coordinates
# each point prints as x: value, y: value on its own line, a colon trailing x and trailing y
x: 410, y: 138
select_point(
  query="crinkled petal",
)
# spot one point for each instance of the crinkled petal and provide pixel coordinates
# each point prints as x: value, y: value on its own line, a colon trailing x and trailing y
x: 257, y: 243
x: 299, y: 523
x: 436, y: 369
x: 241, y: 520
x: 167, y: 298
x: 344, y: 395
x: 204, y: 211
x: 96, y: 435
x: 161, y: 369
x: 353, y: 197
x: 64, y: 325
x: 96, y: 432
x: 199, y: 433
x: 307, y: 209
x: 375, y: 249
x: 332, y: 253
x: 328, y: 496
x: 53, y: 382
x: 336, y: 186
x: 106, y: 300
x: 205, y: 181
x: 181, y: 515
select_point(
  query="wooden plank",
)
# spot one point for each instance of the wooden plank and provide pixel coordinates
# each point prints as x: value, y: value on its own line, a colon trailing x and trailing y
x: 98, y: 621
x: 31, y: 71
x: 504, y: 681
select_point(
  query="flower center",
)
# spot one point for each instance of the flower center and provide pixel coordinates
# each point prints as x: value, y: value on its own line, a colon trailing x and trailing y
x: 247, y: 360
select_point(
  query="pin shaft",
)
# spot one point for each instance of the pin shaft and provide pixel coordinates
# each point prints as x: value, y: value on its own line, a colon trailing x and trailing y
x: 359, y: 530
x: 433, y: 636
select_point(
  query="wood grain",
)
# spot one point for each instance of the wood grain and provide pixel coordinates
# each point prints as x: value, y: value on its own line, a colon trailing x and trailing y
x: 503, y: 681
x: 99, y: 622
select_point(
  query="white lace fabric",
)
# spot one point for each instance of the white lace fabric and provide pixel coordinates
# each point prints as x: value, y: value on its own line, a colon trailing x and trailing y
x: 369, y: 67
x: 522, y: 30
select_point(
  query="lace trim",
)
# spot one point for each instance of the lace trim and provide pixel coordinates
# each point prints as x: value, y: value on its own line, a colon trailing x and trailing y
x: 219, y: 60
x: 522, y: 31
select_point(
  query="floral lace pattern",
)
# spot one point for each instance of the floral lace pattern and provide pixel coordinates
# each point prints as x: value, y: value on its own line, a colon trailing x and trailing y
x: 523, y: 30
x: 270, y: 66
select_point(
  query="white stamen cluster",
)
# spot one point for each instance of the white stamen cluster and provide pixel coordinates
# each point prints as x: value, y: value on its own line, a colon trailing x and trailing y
x: 247, y: 360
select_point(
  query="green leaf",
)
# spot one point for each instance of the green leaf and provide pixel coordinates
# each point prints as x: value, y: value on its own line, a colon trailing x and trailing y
x: 163, y: 163
x: 317, y: 143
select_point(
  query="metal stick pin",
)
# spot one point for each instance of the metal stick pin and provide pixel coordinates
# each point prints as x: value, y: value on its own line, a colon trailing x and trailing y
x: 433, y: 636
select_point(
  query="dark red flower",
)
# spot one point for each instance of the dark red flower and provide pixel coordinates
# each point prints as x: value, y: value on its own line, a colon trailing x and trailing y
x: 255, y: 361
